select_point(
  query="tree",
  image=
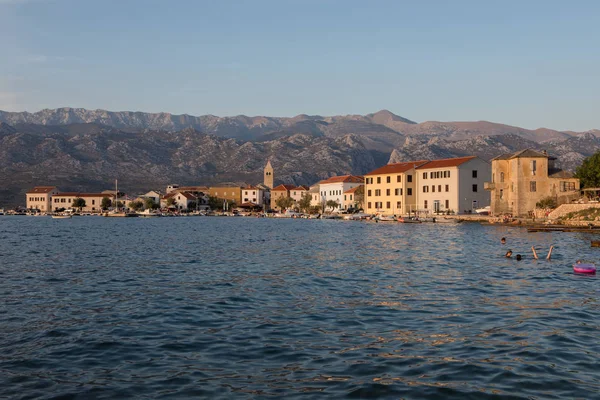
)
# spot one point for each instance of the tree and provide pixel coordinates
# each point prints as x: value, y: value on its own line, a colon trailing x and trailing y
x: 215, y: 203
x: 304, y: 203
x: 333, y: 204
x: 106, y: 202
x: 315, y: 209
x: 589, y: 171
x: 136, y: 205
x: 547, y: 202
x: 359, y: 197
x: 284, y: 202
x: 170, y: 202
x: 149, y: 203
x: 78, y: 203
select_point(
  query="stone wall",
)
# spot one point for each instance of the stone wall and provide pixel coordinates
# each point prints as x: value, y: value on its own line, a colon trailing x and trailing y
x: 567, y: 208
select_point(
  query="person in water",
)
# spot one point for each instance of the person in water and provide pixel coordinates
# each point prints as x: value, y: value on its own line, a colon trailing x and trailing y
x: 547, y: 257
x: 508, y: 254
x: 519, y: 257
x: 503, y: 240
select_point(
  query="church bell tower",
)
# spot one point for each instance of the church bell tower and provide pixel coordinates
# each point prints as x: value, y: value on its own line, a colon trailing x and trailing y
x: 268, y: 175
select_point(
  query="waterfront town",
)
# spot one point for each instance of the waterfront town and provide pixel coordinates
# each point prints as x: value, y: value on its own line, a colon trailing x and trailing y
x: 513, y: 184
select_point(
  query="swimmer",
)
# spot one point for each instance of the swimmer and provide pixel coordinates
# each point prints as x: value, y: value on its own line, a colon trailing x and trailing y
x: 503, y: 240
x: 519, y: 257
x: 547, y: 257
x: 508, y: 254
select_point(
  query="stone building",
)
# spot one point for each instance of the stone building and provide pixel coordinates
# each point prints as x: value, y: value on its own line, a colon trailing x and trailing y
x: 522, y: 179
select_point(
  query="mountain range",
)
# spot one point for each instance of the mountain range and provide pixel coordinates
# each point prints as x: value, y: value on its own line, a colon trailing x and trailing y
x: 79, y: 149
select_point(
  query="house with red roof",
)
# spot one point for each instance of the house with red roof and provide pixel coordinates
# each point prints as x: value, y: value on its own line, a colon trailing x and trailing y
x: 40, y: 198
x: 333, y: 189
x: 453, y: 185
x: 278, y: 192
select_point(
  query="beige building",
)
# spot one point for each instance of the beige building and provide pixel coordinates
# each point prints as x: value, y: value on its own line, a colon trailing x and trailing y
x: 297, y: 192
x: 93, y: 201
x: 315, y: 196
x: 521, y: 179
x: 230, y: 193
x: 351, y: 200
x: 40, y: 198
x: 391, y: 189
x: 278, y: 192
x: 452, y: 185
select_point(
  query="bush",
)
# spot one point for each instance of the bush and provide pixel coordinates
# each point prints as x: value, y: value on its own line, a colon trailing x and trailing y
x: 547, y: 202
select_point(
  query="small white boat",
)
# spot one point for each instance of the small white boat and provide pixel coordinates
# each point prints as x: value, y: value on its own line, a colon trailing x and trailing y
x: 386, y: 218
x: 483, y: 211
x: 409, y: 220
x: 62, y: 216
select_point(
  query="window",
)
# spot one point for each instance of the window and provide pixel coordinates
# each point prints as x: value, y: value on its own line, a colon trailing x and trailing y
x: 350, y: 197
x: 567, y: 186
x: 533, y: 167
x: 388, y: 205
x: 398, y: 204
x: 399, y: 178
x: 294, y: 193
x: 501, y: 177
x: 387, y: 192
x: 512, y: 186
x: 439, y: 188
x: 501, y: 194
x: 377, y: 192
x: 396, y: 192
x: 425, y: 189
x: 424, y: 175
x: 408, y: 178
x: 93, y: 202
x: 344, y: 197
x: 409, y: 191
x: 447, y: 204
x: 433, y: 188
x: 448, y: 174
x: 378, y: 179
x: 400, y: 191
x: 425, y: 204
x: 447, y: 188
x: 475, y: 188
x: 388, y: 179
x: 475, y: 174
x: 369, y: 204
x: 369, y: 192
x: 532, y: 186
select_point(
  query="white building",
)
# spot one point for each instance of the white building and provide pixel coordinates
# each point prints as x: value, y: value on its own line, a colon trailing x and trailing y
x: 452, y: 184
x: 315, y: 195
x: 297, y: 192
x: 334, y: 188
x: 254, y: 196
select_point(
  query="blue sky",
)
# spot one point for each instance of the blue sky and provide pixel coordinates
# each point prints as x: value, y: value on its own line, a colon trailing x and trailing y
x: 526, y: 63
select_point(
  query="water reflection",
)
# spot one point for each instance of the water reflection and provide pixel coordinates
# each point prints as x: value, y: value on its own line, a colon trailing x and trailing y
x: 223, y: 307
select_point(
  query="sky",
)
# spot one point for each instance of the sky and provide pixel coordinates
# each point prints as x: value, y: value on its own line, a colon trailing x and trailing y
x: 526, y: 63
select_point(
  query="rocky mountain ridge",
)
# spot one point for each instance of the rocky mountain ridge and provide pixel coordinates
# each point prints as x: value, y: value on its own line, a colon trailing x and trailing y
x: 88, y: 156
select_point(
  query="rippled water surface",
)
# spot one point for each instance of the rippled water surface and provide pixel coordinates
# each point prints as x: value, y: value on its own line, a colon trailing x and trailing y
x: 252, y: 308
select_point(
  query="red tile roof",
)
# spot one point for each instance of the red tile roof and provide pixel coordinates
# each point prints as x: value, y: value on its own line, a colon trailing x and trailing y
x: 343, y: 178
x: 41, y: 189
x: 354, y: 189
x: 446, y: 162
x: 187, y: 195
x: 396, y: 168
x: 301, y: 187
x: 283, y: 188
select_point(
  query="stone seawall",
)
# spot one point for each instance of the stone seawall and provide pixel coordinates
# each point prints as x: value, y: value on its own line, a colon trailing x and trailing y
x: 564, y: 209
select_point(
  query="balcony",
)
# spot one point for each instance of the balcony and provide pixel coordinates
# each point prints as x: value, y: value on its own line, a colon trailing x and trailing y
x: 489, y: 186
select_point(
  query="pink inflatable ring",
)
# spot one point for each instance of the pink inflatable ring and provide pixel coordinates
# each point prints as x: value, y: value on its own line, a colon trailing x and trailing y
x: 584, y: 268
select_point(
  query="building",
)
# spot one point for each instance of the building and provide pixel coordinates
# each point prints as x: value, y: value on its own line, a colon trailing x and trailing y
x: 352, y: 199
x: 315, y: 196
x: 93, y: 201
x: 268, y: 177
x: 40, y: 198
x: 254, y: 196
x: 298, y: 192
x: 230, y: 193
x: 521, y: 179
x: 279, y: 192
x: 452, y: 185
x: 334, y: 188
x: 391, y: 189
x: 182, y: 201
x: 154, y: 195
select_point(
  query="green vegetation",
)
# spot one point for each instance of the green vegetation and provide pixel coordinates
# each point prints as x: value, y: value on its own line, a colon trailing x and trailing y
x: 215, y: 203
x: 333, y: 204
x: 284, y: 203
x: 136, y: 205
x: 78, y: 203
x: 546, y: 202
x: 589, y: 171
x: 304, y: 203
x: 170, y: 202
x: 149, y: 203
x: 106, y: 203
x: 359, y: 197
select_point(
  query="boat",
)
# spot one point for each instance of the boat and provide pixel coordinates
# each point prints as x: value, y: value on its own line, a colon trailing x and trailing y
x: 62, y: 216
x: 386, y: 218
x: 483, y: 211
x: 409, y: 220
x: 148, y: 214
